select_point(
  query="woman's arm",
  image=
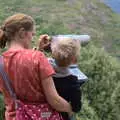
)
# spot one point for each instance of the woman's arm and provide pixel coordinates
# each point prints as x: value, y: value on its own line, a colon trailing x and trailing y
x: 53, y: 98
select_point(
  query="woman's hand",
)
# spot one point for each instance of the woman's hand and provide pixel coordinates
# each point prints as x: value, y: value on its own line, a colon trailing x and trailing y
x: 44, y: 42
x: 53, y: 98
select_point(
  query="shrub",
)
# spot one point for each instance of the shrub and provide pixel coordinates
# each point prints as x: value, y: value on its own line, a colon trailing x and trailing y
x: 102, y: 89
x: 1, y: 108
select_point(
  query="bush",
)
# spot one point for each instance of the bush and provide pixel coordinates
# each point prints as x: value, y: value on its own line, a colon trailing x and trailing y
x: 1, y: 108
x: 103, y: 86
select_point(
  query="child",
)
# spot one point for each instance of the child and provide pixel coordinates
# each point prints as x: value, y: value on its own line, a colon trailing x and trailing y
x: 68, y: 77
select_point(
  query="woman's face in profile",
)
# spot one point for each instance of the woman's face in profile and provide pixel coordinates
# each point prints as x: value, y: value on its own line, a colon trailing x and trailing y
x: 28, y: 38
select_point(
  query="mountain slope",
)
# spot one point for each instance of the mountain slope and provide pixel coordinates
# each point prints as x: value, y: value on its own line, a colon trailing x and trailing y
x: 70, y: 16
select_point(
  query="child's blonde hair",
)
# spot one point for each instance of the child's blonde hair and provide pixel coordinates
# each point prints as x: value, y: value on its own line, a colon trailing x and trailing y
x: 64, y: 49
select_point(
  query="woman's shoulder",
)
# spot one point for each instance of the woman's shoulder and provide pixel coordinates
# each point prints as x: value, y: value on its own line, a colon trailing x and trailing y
x: 24, y: 55
x: 31, y: 52
x: 23, y: 52
x: 33, y: 55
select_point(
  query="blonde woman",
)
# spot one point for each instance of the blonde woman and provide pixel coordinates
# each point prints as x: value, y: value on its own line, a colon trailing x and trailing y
x: 29, y: 70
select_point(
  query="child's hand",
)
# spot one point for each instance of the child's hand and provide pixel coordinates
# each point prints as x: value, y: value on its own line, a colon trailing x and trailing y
x: 44, y: 41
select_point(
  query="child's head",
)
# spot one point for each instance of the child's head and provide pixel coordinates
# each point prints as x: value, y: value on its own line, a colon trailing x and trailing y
x: 65, y: 51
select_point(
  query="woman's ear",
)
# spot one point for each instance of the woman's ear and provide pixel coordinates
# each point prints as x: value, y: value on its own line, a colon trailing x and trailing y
x: 22, y: 33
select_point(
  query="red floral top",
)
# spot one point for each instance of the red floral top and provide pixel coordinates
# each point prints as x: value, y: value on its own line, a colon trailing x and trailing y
x: 26, y: 69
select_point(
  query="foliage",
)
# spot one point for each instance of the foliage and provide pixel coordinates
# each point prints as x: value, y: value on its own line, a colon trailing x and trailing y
x: 1, y: 108
x: 70, y: 16
x: 101, y: 99
x: 102, y: 89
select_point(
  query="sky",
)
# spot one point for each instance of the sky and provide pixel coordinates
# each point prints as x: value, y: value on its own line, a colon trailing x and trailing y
x: 114, y: 4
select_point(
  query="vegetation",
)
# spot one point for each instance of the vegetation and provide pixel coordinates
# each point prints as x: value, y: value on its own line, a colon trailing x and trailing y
x: 101, y: 91
x: 1, y: 108
x: 101, y: 99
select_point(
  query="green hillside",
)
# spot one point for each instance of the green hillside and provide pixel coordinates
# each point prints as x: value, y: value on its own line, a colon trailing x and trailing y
x: 70, y: 16
x: 101, y: 99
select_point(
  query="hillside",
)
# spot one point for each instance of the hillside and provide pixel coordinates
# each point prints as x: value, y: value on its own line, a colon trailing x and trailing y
x: 70, y: 16
x: 101, y: 99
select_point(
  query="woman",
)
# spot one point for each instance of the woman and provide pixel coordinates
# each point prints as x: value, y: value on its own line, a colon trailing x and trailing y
x: 29, y: 70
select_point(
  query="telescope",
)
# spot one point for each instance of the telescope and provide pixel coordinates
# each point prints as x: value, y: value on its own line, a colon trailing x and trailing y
x: 84, y: 39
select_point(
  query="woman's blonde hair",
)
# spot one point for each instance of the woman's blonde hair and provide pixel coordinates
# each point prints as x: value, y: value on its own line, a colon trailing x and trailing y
x: 63, y: 49
x: 12, y: 25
